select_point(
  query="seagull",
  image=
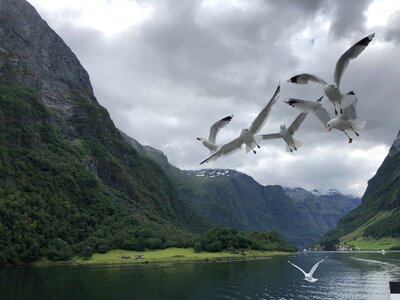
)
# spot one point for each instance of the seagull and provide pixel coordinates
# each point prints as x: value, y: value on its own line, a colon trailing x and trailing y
x: 332, y: 90
x: 247, y: 135
x: 348, y: 121
x: 287, y: 133
x: 308, y: 276
x: 210, y: 142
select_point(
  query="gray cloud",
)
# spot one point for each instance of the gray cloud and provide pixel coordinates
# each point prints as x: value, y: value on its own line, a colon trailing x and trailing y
x: 166, y: 80
x: 392, y: 32
x: 348, y: 17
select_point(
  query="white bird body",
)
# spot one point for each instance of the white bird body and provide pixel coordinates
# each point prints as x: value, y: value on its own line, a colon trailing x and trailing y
x: 346, y: 122
x: 249, y: 139
x: 247, y: 135
x: 308, y: 276
x: 291, y: 143
x: 210, y: 145
x: 332, y: 90
x: 214, y: 129
x: 287, y: 133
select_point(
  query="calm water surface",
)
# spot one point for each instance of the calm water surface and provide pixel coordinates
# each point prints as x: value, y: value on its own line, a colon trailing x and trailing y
x: 341, y: 276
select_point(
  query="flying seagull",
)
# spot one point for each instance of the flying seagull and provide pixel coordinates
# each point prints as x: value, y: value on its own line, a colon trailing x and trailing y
x: 287, y: 133
x: 308, y: 276
x: 332, y: 89
x: 348, y: 121
x: 247, y: 135
x: 210, y: 142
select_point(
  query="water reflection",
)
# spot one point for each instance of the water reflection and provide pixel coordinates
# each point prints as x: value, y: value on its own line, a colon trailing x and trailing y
x: 341, y: 276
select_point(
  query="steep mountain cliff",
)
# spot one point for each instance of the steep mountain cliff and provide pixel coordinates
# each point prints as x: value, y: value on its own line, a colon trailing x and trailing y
x: 233, y: 199
x: 68, y: 180
x: 378, y: 216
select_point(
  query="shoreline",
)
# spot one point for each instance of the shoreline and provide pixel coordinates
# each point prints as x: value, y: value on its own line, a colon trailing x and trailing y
x: 155, y: 258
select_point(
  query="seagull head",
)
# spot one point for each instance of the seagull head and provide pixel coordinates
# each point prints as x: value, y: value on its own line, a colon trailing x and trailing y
x: 329, y: 125
x: 333, y: 86
x: 283, y: 126
x: 201, y: 139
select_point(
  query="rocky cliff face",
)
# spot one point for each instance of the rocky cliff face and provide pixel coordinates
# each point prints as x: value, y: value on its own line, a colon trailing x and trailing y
x: 33, y: 54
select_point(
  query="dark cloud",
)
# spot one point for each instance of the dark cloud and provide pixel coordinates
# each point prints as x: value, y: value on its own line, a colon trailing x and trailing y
x: 167, y: 79
x: 392, y: 32
x: 348, y: 17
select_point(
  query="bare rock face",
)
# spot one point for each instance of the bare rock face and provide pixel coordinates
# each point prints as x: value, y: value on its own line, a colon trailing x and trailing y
x: 33, y: 54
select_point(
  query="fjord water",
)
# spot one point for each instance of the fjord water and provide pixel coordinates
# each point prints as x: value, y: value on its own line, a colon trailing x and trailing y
x: 341, y: 276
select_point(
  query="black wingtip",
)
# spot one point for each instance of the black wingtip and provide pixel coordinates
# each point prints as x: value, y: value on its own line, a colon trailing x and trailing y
x: 293, y: 79
x: 320, y: 99
x: 351, y: 93
x: 291, y: 102
x: 227, y: 119
x: 365, y: 41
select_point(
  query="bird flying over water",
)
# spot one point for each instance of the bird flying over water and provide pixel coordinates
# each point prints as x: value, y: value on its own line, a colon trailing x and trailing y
x: 308, y: 276
x: 332, y: 90
x: 247, y: 135
x: 214, y: 129
x: 346, y: 122
x: 287, y: 133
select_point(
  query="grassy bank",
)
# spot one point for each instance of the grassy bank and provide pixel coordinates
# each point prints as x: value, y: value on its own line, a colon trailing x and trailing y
x: 169, y: 255
x: 374, y: 244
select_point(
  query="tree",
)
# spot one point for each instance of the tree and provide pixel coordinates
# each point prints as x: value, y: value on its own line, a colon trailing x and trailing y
x: 86, y: 252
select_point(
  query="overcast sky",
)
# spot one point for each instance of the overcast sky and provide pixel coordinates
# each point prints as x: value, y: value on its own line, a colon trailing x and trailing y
x: 166, y: 70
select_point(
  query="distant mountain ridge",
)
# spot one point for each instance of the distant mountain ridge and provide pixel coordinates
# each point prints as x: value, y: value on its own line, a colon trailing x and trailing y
x: 233, y: 199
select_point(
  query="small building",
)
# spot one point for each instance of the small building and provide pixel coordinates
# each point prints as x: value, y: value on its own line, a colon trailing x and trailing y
x: 139, y: 256
x: 125, y: 256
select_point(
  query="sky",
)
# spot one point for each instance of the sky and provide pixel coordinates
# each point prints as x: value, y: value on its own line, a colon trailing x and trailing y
x: 167, y: 70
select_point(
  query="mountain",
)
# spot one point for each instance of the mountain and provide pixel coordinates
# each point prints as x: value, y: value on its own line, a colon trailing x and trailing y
x: 378, y: 216
x: 235, y: 200
x: 68, y: 179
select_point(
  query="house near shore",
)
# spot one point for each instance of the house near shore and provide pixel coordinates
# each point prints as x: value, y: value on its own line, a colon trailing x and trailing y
x: 125, y: 256
x: 139, y: 256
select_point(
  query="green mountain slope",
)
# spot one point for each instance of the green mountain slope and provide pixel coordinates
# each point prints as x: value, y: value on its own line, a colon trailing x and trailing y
x: 235, y: 200
x: 70, y: 183
x: 378, y: 216
x: 68, y: 180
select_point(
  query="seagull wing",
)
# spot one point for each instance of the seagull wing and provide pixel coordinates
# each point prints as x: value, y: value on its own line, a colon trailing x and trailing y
x: 349, y: 112
x: 262, y: 117
x: 297, y: 268
x: 270, y: 136
x: 307, y: 106
x: 217, y: 126
x: 353, y: 52
x: 315, y: 267
x: 297, y: 122
x: 226, y: 149
x: 305, y: 78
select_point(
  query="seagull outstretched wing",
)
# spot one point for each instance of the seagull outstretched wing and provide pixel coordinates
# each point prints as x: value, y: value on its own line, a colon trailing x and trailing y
x: 217, y: 126
x: 297, y: 122
x: 262, y: 117
x: 226, y: 149
x: 297, y: 268
x: 304, y: 78
x: 353, y: 52
x: 315, y: 267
